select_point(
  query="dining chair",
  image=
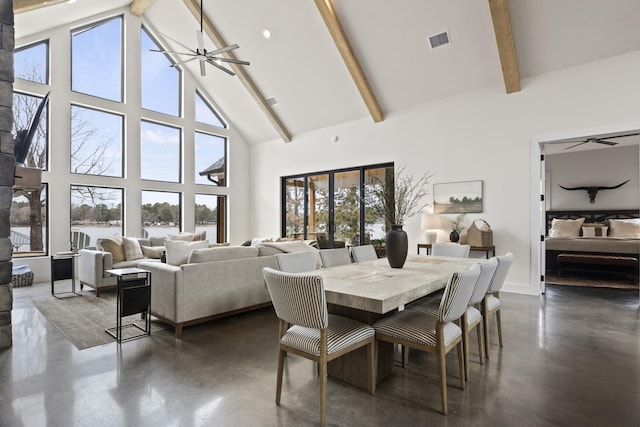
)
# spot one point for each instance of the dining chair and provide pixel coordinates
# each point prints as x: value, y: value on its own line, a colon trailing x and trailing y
x: 440, y: 334
x: 473, y: 316
x: 491, y: 303
x: 363, y: 253
x: 297, y: 262
x: 308, y: 330
x: 335, y: 257
x: 450, y: 250
x: 80, y: 240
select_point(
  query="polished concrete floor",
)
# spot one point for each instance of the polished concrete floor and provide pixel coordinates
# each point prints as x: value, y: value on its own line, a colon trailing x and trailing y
x: 571, y: 358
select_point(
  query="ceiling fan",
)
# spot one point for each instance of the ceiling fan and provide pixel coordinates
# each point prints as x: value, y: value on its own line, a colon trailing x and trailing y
x: 202, y: 54
x: 604, y: 141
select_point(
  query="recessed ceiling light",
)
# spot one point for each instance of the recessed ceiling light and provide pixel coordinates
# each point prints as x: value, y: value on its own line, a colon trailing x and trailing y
x: 266, y: 34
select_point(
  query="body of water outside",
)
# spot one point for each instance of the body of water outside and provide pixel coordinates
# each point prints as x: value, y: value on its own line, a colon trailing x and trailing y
x: 96, y: 233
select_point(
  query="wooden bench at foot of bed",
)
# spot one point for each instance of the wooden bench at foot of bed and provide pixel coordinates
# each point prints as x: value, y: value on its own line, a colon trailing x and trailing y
x: 589, y: 262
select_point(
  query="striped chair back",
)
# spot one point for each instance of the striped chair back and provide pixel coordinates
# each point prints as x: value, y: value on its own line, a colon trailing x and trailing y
x: 335, y: 257
x: 487, y: 271
x: 296, y: 262
x: 504, y: 264
x: 457, y: 294
x: 298, y: 298
x: 364, y: 253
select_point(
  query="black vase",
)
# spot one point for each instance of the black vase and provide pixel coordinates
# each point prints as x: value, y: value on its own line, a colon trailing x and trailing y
x: 397, y: 245
x: 454, y: 236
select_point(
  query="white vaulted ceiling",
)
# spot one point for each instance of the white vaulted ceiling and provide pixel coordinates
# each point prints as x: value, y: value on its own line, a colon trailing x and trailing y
x: 301, y: 67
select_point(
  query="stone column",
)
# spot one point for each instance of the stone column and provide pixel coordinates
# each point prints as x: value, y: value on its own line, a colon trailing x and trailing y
x: 7, y: 167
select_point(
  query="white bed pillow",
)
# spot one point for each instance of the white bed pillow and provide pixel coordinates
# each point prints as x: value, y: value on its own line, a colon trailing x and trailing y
x: 590, y: 231
x: 565, y: 227
x: 625, y: 227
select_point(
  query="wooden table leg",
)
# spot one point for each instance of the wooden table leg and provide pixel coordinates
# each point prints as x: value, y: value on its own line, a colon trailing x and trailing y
x: 352, y: 367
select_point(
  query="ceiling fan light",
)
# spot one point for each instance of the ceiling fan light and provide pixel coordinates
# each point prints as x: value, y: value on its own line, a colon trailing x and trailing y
x: 266, y: 33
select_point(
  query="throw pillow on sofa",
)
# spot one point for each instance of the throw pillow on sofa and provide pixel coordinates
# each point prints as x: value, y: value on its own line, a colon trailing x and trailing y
x: 113, y: 245
x: 152, y: 251
x: 131, y: 248
x: 178, y: 251
x: 183, y: 235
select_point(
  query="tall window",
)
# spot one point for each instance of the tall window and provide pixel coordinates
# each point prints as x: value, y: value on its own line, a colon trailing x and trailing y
x: 159, y: 152
x: 24, y: 113
x: 96, y: 142
x: 160, y: 83
x: 210, y: 216
x: 29, y: 222
x: 96, y: 59
x: 96, y: 211
x: 32, y: 62
x: 92, y: 121
x: 294, y: 207
x: 210, y: 159
x: 161, y: 213
x: 206, y: 114
x: 29, y: 206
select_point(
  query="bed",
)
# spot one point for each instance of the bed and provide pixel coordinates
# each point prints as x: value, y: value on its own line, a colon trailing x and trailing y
x: 609, y: 239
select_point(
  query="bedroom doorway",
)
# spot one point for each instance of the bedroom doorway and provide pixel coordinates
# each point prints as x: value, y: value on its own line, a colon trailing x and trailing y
x: 574, y: 161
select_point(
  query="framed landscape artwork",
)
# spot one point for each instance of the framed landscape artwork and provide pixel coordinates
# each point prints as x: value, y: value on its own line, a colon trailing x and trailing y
x: 457, y: 197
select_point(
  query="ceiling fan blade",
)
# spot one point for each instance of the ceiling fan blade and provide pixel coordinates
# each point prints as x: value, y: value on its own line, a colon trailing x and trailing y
x: 575, y: 145
x: 231, y: 60
x: 621, y: 136
x: 174, y: 52
x: 181, y: 44
x: 203, y: 71
x: 605, y: 142
x: 215, y: 64
x: 223, y: 49
x: 184, y: 61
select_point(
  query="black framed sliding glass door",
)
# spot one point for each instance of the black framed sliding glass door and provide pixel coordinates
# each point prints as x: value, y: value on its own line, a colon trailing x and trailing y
x: 329, y: 206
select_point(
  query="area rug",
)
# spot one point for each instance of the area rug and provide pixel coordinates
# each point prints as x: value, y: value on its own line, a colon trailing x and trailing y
x: 591, y: 280
x: 83, y: 319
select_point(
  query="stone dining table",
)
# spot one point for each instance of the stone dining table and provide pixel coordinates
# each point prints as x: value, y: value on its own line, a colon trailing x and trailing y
x: 366, y: 291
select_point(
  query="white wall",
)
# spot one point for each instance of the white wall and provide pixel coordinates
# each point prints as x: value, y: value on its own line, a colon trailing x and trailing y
x: 481, y: 135
x: 603, y: 167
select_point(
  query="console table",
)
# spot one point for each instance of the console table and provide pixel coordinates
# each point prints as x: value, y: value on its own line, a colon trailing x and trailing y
x: 488, y: 250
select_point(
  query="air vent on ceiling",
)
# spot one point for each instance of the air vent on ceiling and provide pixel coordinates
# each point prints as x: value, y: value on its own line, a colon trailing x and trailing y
x: 272, y: 101
x: 439, y: 40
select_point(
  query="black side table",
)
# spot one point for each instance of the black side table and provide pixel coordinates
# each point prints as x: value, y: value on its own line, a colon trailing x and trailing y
x: 133, y: 297
x: 63, y: 267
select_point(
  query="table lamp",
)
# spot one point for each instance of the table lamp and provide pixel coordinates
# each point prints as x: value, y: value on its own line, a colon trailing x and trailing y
x: 430, y: 223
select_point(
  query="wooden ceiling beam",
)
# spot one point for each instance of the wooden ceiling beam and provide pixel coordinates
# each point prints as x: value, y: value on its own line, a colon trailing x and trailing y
x: 506, y: 47
x: 214, y: 35
x: 344, y: 47
x: 20, y: 6
x: 139, y: 7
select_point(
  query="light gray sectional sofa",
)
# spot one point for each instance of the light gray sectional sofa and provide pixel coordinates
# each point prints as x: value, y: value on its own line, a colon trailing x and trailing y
x: 214, y: 282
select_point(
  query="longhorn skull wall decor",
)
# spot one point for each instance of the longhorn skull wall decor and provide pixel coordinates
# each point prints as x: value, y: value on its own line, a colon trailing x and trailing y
x: 593, y: 190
